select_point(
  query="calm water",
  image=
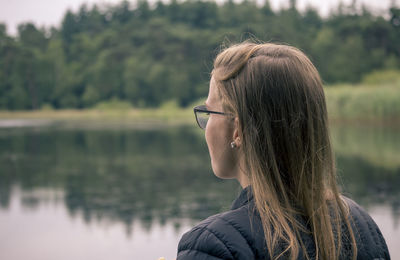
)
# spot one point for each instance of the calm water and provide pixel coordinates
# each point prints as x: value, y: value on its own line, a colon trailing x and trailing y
x: 126, y: 193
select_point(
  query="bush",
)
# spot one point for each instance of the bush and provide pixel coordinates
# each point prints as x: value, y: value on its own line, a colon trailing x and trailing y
x: 47, y: 107
x: 113, y: 104
x: 170, y: 105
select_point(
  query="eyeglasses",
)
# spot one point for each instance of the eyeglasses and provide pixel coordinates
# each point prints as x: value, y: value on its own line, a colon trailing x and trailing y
x: 202, y: 114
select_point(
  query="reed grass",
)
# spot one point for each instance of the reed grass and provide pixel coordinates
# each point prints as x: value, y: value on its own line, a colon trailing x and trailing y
x: 364, y: 103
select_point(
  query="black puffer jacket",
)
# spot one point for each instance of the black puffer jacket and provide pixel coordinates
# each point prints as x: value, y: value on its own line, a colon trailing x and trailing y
x: 238, y: 234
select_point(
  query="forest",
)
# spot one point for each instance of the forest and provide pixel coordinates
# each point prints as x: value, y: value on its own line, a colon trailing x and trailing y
x: 148, y: 54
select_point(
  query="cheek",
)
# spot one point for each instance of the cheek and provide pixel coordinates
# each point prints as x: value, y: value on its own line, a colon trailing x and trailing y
x: 214, y: 137
x: 210, y: 139
x: 221, y: 154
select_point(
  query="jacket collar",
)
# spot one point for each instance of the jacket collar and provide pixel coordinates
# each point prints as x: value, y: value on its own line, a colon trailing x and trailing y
x: 245, y: 196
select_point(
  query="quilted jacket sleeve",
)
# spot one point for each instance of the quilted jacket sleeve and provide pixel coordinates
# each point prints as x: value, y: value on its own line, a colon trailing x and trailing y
x: 370, y: 241
x: 214, y: 238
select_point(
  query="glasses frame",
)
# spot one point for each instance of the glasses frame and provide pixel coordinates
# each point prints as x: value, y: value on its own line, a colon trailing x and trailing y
x: 203, y: 109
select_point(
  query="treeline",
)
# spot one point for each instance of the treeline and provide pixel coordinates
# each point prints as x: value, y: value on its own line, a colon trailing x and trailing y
x: 149, y: 54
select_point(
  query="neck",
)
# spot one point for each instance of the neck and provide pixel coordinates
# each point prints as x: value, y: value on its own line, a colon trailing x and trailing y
x: 241, y: 176
x: 243, y: 179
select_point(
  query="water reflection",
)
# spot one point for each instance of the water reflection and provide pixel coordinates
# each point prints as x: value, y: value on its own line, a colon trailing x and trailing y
x: 120, y: 175
x: 368, y: 162
x: 162, y: 178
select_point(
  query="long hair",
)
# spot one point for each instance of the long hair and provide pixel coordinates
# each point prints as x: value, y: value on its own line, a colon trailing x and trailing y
x: 277, y: 95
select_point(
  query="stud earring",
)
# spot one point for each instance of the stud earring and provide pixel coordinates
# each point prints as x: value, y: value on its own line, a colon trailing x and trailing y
x: 233, y: 145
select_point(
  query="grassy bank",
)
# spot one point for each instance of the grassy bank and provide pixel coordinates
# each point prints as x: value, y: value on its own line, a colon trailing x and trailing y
x: 346, y: 103
x: 104, y: 114
x: 364, y: 103
x: 94, y: 114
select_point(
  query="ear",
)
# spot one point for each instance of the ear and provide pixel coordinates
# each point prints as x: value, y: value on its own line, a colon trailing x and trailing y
x: 237, y: 133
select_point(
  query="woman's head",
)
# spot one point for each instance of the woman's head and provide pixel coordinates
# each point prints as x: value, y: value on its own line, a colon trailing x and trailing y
x: 275, y: 94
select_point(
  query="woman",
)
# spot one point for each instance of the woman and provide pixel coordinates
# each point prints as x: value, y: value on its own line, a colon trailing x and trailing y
x: 266, y: 125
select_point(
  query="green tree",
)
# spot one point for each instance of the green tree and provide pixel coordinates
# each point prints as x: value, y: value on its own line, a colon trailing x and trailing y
x: 148, y: 54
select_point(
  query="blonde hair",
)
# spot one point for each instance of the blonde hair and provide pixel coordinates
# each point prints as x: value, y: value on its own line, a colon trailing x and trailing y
x: 277, y: 95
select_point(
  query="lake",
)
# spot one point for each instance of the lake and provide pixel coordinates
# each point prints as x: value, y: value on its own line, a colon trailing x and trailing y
x: 117, y: 191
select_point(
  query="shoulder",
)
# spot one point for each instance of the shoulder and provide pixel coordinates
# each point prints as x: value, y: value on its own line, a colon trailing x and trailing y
x: 224, y: 236
x: 370, y: 241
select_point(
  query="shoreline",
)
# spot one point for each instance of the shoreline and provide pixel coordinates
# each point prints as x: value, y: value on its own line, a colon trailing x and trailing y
x: 92, y: 118
x: 141, y: 118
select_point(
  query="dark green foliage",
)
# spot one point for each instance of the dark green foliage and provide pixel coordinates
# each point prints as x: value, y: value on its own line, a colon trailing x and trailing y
x: 148, y: 54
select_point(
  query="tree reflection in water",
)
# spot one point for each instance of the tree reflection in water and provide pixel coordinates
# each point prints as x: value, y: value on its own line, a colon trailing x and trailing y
x: 121, y: 175
x: 162, y: 175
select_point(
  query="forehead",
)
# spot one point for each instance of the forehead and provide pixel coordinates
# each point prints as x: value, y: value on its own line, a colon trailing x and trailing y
x: 213, y: 93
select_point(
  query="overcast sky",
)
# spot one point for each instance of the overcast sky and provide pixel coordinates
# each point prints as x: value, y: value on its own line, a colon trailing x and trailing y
x: 50, y: 12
